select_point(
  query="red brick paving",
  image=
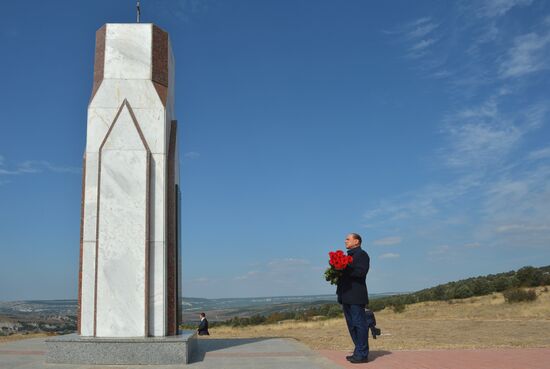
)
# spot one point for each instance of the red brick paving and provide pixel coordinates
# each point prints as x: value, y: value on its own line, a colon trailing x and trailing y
x: 535, y: 358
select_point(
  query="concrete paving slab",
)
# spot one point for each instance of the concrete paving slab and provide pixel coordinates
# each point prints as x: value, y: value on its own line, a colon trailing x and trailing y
x: 211, y: 353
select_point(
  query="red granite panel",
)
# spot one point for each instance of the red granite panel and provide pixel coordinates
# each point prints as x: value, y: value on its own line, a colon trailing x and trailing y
x: 162, y: 91
x: 160, y: 56
x: 99, y: 60
x: 79, y: 307
x: 171, y: 235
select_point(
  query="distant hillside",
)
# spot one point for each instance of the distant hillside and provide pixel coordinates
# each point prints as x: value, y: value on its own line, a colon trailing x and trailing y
x: 38, y: 308
x: 297, y: 307
x: 476, y: 286
x: 218, y: 309
x: 472, y: 323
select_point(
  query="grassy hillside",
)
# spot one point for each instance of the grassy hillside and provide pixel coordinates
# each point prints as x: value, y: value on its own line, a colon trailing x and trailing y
x: 475, y: 322
x: 476, y: 286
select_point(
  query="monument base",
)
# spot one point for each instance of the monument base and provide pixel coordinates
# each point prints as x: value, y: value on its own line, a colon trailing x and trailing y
x: 74, y: 349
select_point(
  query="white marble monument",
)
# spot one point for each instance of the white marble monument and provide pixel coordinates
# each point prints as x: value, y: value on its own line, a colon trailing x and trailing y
x: 129, y: 281
x: 129, y: 294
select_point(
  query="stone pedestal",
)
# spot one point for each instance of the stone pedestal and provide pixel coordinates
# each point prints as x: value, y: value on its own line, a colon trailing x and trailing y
x: 74, y: 349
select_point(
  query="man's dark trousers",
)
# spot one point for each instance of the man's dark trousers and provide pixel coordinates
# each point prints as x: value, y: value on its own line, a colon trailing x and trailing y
x: 356, y: 320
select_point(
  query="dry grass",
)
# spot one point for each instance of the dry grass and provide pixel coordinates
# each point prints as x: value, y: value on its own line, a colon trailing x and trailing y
x: 17, y: 337
x: 477, y: 322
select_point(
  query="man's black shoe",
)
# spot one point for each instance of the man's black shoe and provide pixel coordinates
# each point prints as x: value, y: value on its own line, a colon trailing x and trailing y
x: 354, y: 360
x: 348, y: 358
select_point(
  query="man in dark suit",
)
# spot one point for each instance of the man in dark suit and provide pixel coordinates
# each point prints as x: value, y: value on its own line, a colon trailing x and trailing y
x: 353, y: 295
x: 203, y: 326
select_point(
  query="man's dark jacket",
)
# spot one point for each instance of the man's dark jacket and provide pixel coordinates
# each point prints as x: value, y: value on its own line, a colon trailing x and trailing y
x: 203, y: 327
x: 352, y: 286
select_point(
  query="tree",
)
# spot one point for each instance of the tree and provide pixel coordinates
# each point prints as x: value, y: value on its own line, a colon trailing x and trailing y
x: 481, y: 286
x: 502, y: 283
x: 439, y: 293
x: 463, y: 292
x: 529, y: 276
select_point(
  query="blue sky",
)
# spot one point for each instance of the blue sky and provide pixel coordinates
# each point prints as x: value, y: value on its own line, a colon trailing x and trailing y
x: 423, y: 126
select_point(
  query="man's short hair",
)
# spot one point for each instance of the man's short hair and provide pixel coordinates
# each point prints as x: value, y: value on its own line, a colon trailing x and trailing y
x: 203, y: 315
x: 357, y: 237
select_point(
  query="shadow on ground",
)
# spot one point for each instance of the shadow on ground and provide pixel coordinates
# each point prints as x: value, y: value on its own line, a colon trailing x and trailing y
x: 215, y: 344
x: 373, y: 355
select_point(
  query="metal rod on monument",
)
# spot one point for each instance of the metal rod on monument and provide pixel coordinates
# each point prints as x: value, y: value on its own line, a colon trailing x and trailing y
x: 138, y: 11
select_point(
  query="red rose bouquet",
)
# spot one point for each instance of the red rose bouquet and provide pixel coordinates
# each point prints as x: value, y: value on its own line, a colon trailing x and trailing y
x: 338, y: 261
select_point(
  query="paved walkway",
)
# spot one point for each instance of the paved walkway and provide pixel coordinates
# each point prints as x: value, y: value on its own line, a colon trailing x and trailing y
x: 259, y: 353
x: 449, y: 359
x: 279, y: 353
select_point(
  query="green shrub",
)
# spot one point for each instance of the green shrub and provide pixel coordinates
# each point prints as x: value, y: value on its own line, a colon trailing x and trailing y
x: 530, y: 277
x: 463, y: 292
x: 398, y: 307
x: 502, y: 283
x: 519, y: 295
x: 334, y: 311
x: 377, y: 305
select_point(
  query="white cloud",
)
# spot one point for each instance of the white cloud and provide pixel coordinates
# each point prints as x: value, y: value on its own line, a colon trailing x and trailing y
x: 421, y: 45
x: 498, y: 8
x: 439, y: 250
x: 480, y: 143
x: 36, y: 166
x: 248, y: 275
x: 418, y: 35
x: 7, y: 172
x: 523, y: 228
x: 515, y: 208
x: 529, y: 54
x: 420, y: 28
x: 484, y: 135
x: 419, y: 21
x: 421, y: 48
x: 187, y: 10
x: 191, y: 155
x: 500, y: 197
x: 394, y: 240
x: 443, y: 73
x: 539, y: 154
x: 389, y: 255
x: 424, y: 202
